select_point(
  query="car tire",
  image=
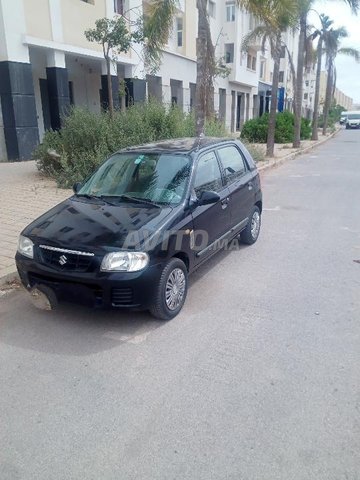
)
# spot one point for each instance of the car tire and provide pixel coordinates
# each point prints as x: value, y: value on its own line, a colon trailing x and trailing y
x: 252, y: 230
x: 172, y: 290
x: 347, y: 127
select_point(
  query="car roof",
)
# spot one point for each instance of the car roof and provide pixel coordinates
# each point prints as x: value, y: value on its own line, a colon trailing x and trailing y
x: 183, y: 145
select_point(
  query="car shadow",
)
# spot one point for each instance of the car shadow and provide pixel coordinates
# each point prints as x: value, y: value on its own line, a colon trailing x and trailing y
x: 77, y: 330
x: 70, y: 329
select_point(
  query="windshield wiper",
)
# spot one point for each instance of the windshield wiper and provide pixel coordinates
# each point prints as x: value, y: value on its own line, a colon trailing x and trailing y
x: 92, y: 197
x: 145, y: 201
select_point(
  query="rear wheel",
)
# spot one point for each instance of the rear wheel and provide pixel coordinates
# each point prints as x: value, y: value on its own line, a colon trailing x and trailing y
x: 252, y: 230
x: 171, y: 292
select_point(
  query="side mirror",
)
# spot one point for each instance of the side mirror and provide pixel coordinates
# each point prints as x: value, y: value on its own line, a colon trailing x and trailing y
x: 208, y: 197
x: 76, y: 187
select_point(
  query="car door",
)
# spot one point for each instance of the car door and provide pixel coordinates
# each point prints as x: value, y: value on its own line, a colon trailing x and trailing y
x: 238, y: 178
x: 212, y: 221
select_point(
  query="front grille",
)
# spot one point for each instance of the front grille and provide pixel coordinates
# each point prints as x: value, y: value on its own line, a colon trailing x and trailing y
x: 65, y: 260
x: 122, y: 296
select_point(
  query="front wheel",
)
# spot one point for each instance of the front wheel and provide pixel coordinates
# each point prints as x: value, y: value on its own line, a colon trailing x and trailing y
x: 252, y: 230
x: 171, y: 292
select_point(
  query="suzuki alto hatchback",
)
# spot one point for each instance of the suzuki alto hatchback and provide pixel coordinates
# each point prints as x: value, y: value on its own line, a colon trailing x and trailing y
x: 147, y: 217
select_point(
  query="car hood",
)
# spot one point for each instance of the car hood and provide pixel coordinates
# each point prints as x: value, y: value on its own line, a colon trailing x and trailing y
x: 94, y: 225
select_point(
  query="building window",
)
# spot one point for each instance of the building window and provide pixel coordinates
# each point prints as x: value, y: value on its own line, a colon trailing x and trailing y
x: 230, y: 12
x: 307, y: 83
x: 281, y: 77
x: 212, y: 9
x: 119, y: 7
x: 305, y: 96
x: 251, y: 62
x: 179, y: 31
x: 229, y: 52
x: 282, y: 53
x: 262, y: 69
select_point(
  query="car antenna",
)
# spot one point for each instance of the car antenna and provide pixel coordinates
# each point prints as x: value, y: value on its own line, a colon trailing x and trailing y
x: 200, y: 137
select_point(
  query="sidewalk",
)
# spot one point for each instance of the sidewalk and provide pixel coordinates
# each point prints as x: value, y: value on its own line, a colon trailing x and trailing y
x: 25, y: 194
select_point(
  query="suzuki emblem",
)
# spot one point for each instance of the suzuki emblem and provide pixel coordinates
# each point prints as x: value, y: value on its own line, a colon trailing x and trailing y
x: 62, y: 260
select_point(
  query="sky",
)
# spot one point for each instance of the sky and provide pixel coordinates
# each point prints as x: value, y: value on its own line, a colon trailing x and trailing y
x: 348, y: 71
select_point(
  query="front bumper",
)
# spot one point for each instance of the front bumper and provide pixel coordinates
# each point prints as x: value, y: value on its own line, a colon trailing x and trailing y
x: 95, y: 288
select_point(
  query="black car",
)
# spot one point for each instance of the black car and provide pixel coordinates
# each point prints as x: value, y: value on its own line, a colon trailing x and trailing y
x: 146, y: 218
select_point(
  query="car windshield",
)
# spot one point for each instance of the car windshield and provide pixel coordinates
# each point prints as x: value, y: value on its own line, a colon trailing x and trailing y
x: 151, y: 177
x: 354, y: 116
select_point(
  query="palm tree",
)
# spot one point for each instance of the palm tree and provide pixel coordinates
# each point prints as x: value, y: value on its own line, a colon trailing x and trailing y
x: 332, y: 49
x: 304, y: 8
x: 158, y: 24
x: 276, y: 17
x: 321, y: 34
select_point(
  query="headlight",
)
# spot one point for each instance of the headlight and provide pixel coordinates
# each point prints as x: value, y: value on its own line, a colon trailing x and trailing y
x: 124, y: 261
x: 26, y: 247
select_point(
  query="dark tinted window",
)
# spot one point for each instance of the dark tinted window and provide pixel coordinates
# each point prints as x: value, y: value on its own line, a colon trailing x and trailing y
x: 208, y: 175
x: 233, y: 163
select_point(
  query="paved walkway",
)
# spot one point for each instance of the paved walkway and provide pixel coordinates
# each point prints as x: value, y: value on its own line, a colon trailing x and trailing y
x: 25, y: 194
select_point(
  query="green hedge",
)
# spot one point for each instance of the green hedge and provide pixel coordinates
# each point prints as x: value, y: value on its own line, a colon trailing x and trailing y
x: 255, y: 130
x: 87, y: 138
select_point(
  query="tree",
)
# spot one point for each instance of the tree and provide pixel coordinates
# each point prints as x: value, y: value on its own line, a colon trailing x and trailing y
x: 114, y: 37
x: 276, y: 17
x: 332, y: 49
x: 321, y: 34
x: 304, y: 8
x: 157, y: 27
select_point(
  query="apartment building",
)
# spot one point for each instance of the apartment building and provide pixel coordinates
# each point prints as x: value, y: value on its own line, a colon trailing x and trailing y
x: 339, y: 96
x: 46, y: 64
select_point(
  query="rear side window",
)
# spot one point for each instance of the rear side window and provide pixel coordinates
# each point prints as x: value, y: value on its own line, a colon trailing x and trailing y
x: 208, y: 175
x: 233, y: 163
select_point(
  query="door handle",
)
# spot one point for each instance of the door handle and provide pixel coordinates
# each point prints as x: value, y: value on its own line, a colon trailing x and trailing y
x: 250, y: 185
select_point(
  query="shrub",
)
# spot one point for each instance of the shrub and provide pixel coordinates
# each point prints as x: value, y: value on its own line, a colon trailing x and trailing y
x: 305, y: 132
x: 255, y: 151
x: 256, y: 130
x: 284, y: 130
x: 87, y: 138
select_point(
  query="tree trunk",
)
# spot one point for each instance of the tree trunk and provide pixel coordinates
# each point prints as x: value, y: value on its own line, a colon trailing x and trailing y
x: 210, y: 69
x: 314, y: 135
x: 204, y: 104
x: 299, y: 80
x: 109, y: 86
x: 274, y: 101
x: 328, y: 96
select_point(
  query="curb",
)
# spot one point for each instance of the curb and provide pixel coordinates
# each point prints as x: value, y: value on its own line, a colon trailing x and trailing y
x: 12, y: 275
x: 274, y: 163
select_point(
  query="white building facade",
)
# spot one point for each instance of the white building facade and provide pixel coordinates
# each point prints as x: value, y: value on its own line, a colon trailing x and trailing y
x: 46, y: 65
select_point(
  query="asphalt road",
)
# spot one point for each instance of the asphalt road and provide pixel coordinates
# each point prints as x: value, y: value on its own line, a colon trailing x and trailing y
x: 257, y: 379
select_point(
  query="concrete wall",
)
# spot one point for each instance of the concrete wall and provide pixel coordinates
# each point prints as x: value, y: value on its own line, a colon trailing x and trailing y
x: 37, y: 19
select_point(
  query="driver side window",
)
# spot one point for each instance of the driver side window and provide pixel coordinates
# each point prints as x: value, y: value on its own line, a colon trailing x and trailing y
x: 208, y: 175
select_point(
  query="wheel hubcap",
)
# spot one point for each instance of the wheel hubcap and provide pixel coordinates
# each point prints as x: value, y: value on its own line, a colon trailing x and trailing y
x: 255, y: 224
x: 175, y: 289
